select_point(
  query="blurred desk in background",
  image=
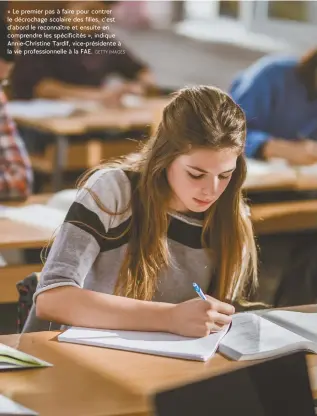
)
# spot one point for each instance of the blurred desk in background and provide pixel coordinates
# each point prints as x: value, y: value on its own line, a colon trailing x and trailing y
x: 293, y: 195
x: 83, y: 122
x: 19, y: 236
x: 33, y: 199
x: 267, y: 176
x: 281, y: 217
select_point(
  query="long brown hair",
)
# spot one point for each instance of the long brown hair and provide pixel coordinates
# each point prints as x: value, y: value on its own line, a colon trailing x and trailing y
x: 197, y: 117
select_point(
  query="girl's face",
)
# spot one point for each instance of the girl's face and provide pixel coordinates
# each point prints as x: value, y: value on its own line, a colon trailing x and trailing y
x: 198, y: 178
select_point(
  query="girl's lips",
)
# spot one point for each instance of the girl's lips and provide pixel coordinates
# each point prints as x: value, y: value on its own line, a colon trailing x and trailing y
x: 199, y: 201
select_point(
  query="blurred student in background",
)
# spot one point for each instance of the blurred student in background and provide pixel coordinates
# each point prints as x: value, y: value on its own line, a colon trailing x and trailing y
x: 15, y: 167
x: 279, y: 97
x: 82, y: 76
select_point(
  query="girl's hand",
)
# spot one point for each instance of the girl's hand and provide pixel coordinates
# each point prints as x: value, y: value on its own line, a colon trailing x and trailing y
x: 197, y: 317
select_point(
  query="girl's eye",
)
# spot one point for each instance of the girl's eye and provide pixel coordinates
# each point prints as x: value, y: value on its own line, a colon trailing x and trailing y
x: 195, y: 176
x: 222, y: 177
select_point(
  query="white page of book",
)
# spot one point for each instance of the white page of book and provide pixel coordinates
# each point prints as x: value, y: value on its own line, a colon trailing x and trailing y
x: 15, y: 357
x: 36, y: 214
x: 252, y: 335
x: 256, y: 167
x: 304, y: 324
x: 259, y: 167
x: 157, y: 343
x: 309, y: 170
x: 40, y: 108
x: 132, y: 101
x: 62, y: 200
x: 9, y: 407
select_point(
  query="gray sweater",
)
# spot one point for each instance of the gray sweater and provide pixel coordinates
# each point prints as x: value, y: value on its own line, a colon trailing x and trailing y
x: 81, y: 257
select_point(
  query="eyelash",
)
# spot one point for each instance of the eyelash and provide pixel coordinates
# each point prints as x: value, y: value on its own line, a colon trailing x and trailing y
x: 224, y: 177
x: 195, y: 176
x: 221, y: 177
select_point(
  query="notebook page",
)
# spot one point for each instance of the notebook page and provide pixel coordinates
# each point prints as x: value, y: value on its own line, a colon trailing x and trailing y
x: 156, y: 343
x: 16, y: 357
x: 62, y: 200
x: 40, y: 108
x: 9, y: 407
x: 304, y: 324
x: 36, y: 215
x: 256, y: 167
x: 252, y: 335
x: 307, y: 170
x: 260, y: 168
x: 270, y: 171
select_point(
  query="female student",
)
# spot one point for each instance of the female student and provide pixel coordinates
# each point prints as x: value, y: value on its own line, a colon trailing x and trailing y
x: 141, y: 231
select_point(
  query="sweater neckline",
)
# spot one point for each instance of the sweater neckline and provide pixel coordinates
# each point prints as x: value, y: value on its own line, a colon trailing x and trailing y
x: 189, y: 219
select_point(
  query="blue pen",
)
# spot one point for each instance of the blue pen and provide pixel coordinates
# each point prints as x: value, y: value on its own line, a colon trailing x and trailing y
x: 199, y: 291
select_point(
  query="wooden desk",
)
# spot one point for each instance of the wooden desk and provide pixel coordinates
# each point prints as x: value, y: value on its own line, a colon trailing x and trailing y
x: 70, y: 388
x: 123, y: 119
x: 33, y: 199
x: 284, y: 217
x: 98, y: 381
x: 14, y: 235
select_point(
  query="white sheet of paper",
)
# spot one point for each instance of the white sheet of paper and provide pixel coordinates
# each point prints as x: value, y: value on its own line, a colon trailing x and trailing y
x: 156, y: 343
x: 36, y: 215
x: 9, y: 407
x: 304, y: 324
x: 251, y: 334
x: 11, y: 356
x: 40, y: 108
x: 62, y: 200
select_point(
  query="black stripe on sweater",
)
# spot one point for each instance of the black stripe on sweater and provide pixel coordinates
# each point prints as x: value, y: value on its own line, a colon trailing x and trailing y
x: 87, y: 220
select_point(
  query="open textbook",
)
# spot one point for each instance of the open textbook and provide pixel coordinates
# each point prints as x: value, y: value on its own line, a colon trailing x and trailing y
x: 251, y: 336
x: 49, y: 216
x: 12, y: 359
x: 269, y: 334
x: 41, y: 108
x: 288, y: 175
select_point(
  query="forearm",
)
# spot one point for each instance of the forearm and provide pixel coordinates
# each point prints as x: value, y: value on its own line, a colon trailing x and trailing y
x: 146, y: 78
x: 80, y: 307
x: 50, y: 88
x: 276, y: 148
